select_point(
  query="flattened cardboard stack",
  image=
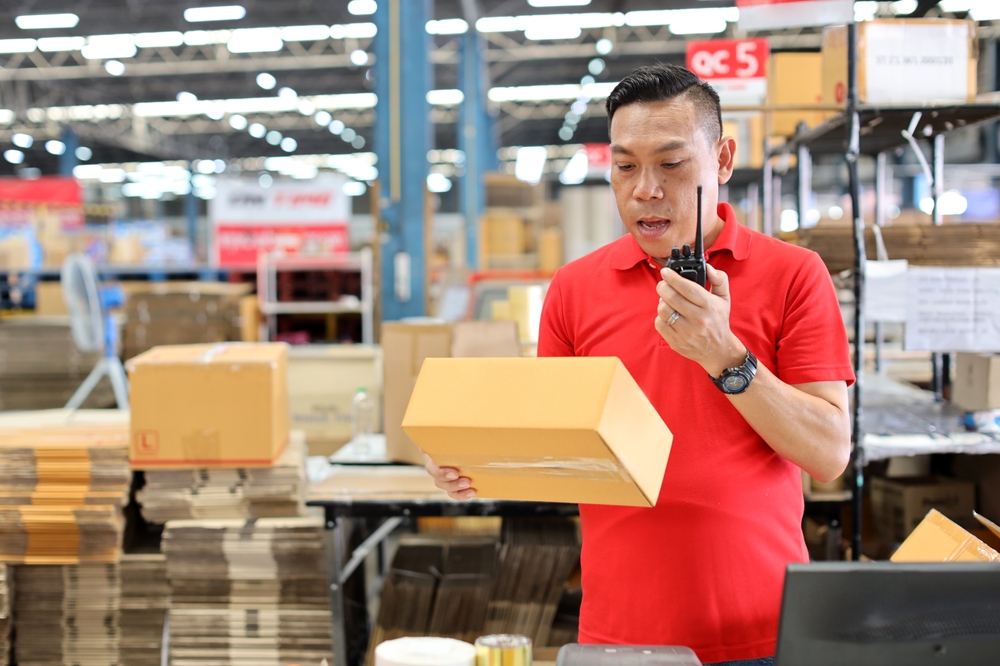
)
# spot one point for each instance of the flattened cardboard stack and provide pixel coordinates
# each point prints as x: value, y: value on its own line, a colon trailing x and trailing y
x: 248, y: 592
x: 145, y: 593
x: 41, y: 367
x: 67, y: 615
x: 5, y: 619
x: 62, y: 489
x: 267, y: 492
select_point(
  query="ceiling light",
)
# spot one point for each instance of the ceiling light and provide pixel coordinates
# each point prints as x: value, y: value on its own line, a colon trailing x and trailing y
x: 353, y: 188
x: 207, y: 37
x: 550, y: 32
x: 348, y: 135
x: 903, y: 7
x: 46, y: 21
x: 215, y: 112
x: 307, y: 108
x: 273, y: 137
x: 288, y: 144
x: 358, y: 143
x: 17, y: 45
x: 107, y: 47
x: 186, y: 97
x: 220, y: 165
x: 530, y: 163
x: 265, y: 180
x: 359, y: 57
x: 558, y: 3
x: 438, y: 183
x: 362, y: 7
x: 446, y: 97
x: 257, y: 130
x: 305, y: 33
x: 353, y: 31
x: 54, y: 147
x: 980, y: 10
x: 238, y: 122
x: 114, y: 67
x: 88, y: 171
x: 693, y: 26
x: 57, y: 44
x: 604, y: 46
x: 256, y: 40
x: 287, y: 93
x: 576, y: 169
x: 835, y: 212
x: 596, y: 66
x: 336, y: 126
x: 158, y: 40
x: 222, y: 13
x: 13, y: 156
x: 266, y: 81
x: 455, y: 26
x: 789, y: 220
x: 83, y: 153
x: 22, y: 140
x: 565, y: 133
x: 323, y: 118
x: 112, y: 176
x: 205, y: 167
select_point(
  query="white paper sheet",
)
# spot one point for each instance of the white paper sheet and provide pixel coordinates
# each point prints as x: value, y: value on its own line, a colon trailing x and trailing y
x: 886, y: 290
x: 953, y: 309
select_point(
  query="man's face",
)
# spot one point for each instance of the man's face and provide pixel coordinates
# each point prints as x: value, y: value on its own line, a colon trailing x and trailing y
x: 660, y: 153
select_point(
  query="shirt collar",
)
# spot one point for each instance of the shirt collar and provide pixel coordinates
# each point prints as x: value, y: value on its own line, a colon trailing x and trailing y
x: 734, y: 238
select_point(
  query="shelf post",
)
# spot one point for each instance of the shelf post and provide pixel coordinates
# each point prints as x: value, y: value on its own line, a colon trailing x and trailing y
x: 476, y: 138
x: 403, y: 136
x: 881, y: 205
x: 803, y: 168
x: 768, y: 186
x: 68, y: 160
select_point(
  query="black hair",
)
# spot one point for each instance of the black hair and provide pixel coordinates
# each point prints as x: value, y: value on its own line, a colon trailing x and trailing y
x: 660, y: 82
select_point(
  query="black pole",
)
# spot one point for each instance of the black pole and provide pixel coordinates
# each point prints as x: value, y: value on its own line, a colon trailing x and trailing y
x: 857, y: 420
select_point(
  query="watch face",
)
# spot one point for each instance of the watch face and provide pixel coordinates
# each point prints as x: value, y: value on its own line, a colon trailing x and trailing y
x: 734, y: 383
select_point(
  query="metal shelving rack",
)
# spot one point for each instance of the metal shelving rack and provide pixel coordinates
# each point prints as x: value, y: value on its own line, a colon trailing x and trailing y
x: 270, y: 264
x: 870, y: 130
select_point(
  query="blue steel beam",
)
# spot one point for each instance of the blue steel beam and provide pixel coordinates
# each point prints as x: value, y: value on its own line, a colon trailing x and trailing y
x: 476, y: 138
x: 403, y: 136
x: 68, y: 160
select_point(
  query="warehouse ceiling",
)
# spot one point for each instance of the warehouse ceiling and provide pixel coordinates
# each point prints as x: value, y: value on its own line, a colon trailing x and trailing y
x: 53, y: 84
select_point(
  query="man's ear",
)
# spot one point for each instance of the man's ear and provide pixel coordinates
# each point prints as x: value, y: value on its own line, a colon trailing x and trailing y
x: 726, y: 151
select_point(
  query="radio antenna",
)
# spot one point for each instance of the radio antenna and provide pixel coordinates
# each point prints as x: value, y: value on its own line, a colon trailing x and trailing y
x: 699, y: 241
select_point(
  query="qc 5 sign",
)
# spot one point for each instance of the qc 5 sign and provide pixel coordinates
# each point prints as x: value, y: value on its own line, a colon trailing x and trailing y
x: 736, y: 68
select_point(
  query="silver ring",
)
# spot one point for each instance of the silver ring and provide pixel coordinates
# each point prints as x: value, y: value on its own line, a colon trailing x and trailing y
x: 672, y: 319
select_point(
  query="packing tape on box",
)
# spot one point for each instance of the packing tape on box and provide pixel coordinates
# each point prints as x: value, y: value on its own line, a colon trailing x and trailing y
x: 212, y: 352
x: 596, y: 468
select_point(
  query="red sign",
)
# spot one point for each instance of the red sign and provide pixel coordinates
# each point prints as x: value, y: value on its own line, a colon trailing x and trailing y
x: 598, y: 155
x: 729, y: 58
x: 63, y: 191
x: 237, y: 245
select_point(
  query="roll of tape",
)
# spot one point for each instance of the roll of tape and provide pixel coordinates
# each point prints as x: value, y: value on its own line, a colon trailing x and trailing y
x: 503, y: 650
x: 425, y: 651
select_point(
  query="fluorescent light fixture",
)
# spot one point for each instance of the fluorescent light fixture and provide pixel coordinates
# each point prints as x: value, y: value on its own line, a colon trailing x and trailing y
x: 688, y: 26
x: 220, y: 165
x: 17, y: 45
x: 307, y: 108
x: 256, y: 40
x: 266, y: 81
x: 362, y: 7
x: 114, y: 67
x: 951, y: 203
x: 565, y: 133
x: 288, y: 144
x: 203, y: 167
x: 305, y: 33
x: 109, y: 47
x: 565, y: 91
x: 287, y: 93
x: 980, y: 10
x: 903, y: 7
x: 576, y: 169
x: 83, y: 153
x: 88, y: 171
x: 684, y: 16
x: 455, y: 26
x: 46, y: 21
x: 353, y: 188
x: 207, y: 37
x: 323, y: 118
x: 438, y: 183
x: 446, y: 97
x: 336, y: 126
x: 112, y: 176
x: 54, y: 147
x: 22, y: 140
x: 552, y: 32
x: 558, y: 3
x: 257, y: 130
x: 186, y: 97
x: 530, y: 163
x: 244, y: 106
x: 358, y: 142
x: 13, y: 156
x: 215, y: 112
x: 789, y: 220
x: 348, y: 135
x: 159, y: 40
x: 498, y: 24
x: 206, y: 193
x: 221, y: 13
x: 238, y: 122
x: 604, y: 46
x: 359, y: 57
x: 273, y: 137
x: 57, y: 44
x: 353, y: 31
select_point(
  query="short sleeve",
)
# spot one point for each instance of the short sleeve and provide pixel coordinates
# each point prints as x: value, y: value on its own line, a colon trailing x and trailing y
x: 813, y: 345
x: 553, y: 334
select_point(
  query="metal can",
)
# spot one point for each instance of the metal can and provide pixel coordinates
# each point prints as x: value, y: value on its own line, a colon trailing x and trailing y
x: 503, y: 650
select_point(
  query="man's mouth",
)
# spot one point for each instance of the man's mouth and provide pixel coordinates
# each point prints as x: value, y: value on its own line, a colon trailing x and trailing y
x: 653, y: 223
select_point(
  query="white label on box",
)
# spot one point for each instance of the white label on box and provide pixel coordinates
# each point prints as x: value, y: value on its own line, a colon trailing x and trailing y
x: 907, y: 63
x: 886, y: 290
x: 953, y: 309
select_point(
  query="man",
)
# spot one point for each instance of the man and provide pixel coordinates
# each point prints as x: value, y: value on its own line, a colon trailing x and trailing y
x: 750, y: 375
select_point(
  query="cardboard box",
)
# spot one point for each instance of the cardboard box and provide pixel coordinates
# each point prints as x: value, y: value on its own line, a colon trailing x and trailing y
x: 505, y: 233
x: 977, y: 382
x: 904, y: 61
x: 249, y: 318
x: 196, y: 406
x: 404, y: 348
x: 550, y: 250
x: 322, y: 382
x: 576, y: 430
x: 937, y: 539
x: 49, y: 299
x: 898, y: 505
x: 794, y: 78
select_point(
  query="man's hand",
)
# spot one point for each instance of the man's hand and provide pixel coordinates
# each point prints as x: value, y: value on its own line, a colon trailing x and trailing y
x: 448, y: 479
x: 702, y: 332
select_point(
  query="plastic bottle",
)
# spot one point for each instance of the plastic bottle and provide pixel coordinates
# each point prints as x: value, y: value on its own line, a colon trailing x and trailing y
x: 362, y: 422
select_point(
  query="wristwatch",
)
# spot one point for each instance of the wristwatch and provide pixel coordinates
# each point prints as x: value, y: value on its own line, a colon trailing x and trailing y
x: 734, y: 381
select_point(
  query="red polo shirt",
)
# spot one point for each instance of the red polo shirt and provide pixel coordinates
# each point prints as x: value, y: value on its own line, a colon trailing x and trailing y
x: 705, y: 567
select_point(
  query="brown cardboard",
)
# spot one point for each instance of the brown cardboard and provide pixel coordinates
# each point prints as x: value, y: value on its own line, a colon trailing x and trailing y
x: 49, y: 299
x: 576, y: 430
x: 322, y: 382
x: 249, y: 319
x: 977, y: 382
x: 898, y: 505
x: 793, y: 78
x: 938, y: 539
x: 196, y: 406
x: 835, y: 58
x: 404, y: 348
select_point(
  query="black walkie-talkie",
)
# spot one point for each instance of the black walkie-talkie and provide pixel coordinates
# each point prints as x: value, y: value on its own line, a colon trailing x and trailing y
x: 687, y: 265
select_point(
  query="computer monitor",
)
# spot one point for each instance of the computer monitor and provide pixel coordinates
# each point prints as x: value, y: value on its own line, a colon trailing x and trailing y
x: 883, y: 613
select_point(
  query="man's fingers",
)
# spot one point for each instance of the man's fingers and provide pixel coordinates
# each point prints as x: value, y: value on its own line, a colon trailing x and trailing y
x: 719, y: 281
x: 686, y: 288
x: 674, y: 301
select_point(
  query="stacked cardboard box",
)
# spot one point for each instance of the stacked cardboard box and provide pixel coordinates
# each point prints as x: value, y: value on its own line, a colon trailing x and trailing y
x: 41, y: 367
x: 62, y: 489
x: 262, y: 492
x: 167, y: 313
x: 247, y: 592
x: 144, y: 603
x: 5, y: 619
x: 67, y: 614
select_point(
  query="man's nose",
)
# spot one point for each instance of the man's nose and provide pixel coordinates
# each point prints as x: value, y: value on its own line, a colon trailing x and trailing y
x: 647, y: 187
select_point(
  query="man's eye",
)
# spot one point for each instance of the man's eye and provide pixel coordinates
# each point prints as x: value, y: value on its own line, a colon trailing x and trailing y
x: 671, y: 165
x: 625, y: 167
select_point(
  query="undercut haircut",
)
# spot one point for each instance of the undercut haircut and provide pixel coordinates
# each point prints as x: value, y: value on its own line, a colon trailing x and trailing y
x: 659, y: 83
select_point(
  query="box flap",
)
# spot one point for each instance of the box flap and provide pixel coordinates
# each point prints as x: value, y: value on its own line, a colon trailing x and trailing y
x: 222, y: 352
x: 938, y: 539
x: 988, y: 524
